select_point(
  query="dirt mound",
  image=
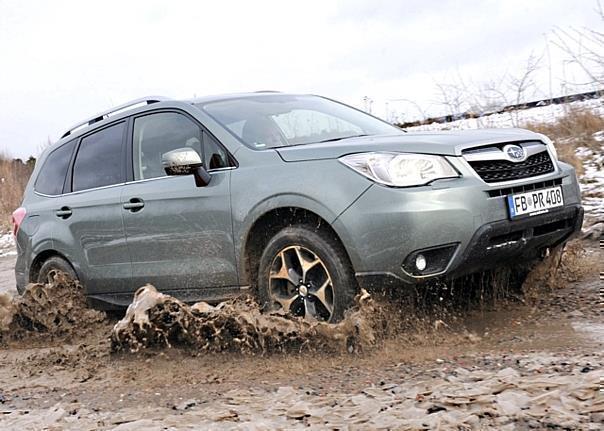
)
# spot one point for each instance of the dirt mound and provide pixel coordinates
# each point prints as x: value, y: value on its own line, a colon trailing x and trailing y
x: 54, y: 309
x: 155, y: 319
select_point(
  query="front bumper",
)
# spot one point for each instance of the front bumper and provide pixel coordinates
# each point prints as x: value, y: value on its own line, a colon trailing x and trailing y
x: 505, y: 241
x: 387, y: 225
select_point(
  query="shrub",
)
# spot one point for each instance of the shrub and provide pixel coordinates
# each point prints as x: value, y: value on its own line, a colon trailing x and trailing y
x: 14, y: 175
x: 575, y: 129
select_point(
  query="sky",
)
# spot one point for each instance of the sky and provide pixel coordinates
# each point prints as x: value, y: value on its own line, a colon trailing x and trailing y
x: 63, y: 61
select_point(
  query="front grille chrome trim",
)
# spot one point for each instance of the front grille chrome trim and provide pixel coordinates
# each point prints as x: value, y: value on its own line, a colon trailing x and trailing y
x: 494, y: 153
x: 526, y: 169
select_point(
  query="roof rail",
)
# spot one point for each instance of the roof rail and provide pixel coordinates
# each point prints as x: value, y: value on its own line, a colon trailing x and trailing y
x: 113, y: 111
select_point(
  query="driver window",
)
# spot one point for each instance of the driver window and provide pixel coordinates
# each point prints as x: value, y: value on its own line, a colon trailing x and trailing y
x: 156, y: 134
x: 214, y: 156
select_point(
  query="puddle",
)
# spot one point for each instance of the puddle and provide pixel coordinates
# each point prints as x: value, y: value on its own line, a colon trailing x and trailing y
x: 531, y: 392
x: 592, y: 330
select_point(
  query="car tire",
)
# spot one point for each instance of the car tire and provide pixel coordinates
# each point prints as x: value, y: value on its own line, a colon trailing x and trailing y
x: 53, y: 264
x: 324, y: 291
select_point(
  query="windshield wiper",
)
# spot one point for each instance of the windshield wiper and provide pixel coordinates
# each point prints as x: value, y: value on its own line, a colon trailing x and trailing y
x: 341, y: 138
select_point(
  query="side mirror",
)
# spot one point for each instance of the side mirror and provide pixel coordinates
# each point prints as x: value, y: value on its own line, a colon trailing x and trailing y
x: 186, y: 161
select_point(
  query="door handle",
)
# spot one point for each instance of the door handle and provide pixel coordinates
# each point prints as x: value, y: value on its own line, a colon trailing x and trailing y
x: 64, y: 212
x: 134, y: 205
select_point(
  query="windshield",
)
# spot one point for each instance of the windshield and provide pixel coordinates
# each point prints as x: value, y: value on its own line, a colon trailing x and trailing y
x: 271, y: 121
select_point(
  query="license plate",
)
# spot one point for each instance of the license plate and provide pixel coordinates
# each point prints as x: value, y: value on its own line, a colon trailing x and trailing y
x: 536, y: 202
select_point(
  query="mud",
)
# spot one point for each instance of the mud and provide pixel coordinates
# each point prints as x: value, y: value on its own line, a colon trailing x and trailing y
x: 447, y: 357
x: 155, y: 319
x: 565, y: 264
x: 56, y: 309
x: 533, y: 392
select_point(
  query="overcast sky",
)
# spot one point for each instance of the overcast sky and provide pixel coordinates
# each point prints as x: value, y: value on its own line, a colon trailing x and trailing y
x: 62, y: 61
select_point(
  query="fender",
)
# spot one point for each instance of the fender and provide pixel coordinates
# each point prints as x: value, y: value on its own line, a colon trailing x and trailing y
x: 285, y: 200
x: 289, y: 200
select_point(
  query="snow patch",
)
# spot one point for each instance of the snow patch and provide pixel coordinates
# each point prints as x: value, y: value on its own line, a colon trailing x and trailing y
x: 592, y: 181
x: 540, y: 114
x: 7, y: 245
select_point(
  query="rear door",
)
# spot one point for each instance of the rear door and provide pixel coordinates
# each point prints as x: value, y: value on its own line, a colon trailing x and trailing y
x: 89, y: 217
x: 179, y: 236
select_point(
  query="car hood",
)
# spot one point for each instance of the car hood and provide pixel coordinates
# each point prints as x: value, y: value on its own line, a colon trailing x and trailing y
x: 449, y: 143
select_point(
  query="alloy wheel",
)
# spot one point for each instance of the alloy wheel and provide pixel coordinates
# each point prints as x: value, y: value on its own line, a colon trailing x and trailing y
x: 300, y: 284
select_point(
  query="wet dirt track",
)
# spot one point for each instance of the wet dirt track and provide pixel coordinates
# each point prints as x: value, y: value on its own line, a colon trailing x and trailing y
x: 7, y: 275
x: 519, y: 367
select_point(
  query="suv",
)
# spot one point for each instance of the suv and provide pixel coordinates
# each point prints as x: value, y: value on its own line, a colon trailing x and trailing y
x: 297, y: 198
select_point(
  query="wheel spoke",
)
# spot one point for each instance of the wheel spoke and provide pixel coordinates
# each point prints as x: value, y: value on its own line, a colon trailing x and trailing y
x: 310, y: 312
x: 321, y: 295
x: 285, y: 303
x: 285, y: 272
x: 305, y: 264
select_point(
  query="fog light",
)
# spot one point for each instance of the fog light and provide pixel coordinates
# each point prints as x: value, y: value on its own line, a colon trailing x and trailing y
x: 420, y: 262
x: 429, y: 261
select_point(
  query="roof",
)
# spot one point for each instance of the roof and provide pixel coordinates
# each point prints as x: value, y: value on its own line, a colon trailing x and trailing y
x: 155, y: 99
x: 229, y: 96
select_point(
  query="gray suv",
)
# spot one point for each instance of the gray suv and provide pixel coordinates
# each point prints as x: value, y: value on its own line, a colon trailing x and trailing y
x: 296, y: 198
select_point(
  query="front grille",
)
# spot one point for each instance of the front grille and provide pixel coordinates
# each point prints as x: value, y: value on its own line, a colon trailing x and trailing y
x: 493, y: 171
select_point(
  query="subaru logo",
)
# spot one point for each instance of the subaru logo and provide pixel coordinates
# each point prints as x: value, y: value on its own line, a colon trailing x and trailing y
x: 514, y: 152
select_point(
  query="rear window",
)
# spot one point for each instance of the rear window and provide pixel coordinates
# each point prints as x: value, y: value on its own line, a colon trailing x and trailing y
x: 51, y: 178
x: 99, y: 161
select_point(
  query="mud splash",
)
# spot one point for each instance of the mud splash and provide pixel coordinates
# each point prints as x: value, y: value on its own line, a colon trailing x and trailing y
x: 155, y: 319
x: 7, y: 312
x: 565, y: 264
x: 54, y: 309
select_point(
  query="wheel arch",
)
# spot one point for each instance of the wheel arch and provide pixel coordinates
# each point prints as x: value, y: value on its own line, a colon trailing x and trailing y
x: 42, y: 257
x: 267, y: 225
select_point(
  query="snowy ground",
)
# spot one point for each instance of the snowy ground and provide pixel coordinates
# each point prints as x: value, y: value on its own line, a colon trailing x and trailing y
x: 592, y: 182
x: 541, y: 114
x: 7, y: 245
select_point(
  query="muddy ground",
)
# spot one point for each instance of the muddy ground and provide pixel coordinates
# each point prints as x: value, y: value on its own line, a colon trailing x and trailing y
x: 513, y: 364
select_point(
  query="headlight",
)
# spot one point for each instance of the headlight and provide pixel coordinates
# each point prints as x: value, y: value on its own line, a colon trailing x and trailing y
x: 400, y: 169
x: 550, y: 145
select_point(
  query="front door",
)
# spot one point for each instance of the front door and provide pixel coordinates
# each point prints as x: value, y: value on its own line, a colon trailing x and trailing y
x: 179, y: 236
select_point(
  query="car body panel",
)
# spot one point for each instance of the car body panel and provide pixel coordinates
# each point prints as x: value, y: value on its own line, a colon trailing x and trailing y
x: 382, y: 226
x: 33, y: 239
x: 93, y: 238
x: 182, y: 237
x: 267, y: 185
x: 447, y: 144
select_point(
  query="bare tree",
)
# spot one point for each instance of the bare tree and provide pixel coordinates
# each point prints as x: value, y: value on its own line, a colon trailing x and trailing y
x: 524, y: 82
x: 584, y: 48
x: 520, y: 85
x: 453, y: 96
x: 464, y: 97
x: 416, y: 105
